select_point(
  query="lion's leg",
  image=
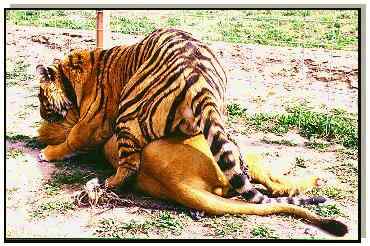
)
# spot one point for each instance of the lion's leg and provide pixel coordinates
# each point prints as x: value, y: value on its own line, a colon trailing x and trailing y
x: 278, y: 184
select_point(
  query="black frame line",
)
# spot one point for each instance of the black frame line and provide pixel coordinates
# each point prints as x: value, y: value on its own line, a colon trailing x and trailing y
x: 191, y: 7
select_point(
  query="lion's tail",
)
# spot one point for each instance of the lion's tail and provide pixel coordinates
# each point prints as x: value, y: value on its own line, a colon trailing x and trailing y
x: 213, y: 204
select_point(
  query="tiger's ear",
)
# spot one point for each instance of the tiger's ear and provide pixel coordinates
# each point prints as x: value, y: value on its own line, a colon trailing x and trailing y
x: 42, y: 71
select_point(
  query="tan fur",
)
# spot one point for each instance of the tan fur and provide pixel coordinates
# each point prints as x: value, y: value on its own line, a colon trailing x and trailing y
x: 183, y: 170
x: 279, y: 185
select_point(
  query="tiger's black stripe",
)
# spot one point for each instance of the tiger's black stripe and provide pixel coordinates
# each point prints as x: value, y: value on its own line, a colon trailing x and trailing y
x: 167, y: 83
x: 170, y: 117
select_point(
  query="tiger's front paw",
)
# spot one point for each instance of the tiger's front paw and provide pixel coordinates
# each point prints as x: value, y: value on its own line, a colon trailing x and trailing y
x: 51, y: 153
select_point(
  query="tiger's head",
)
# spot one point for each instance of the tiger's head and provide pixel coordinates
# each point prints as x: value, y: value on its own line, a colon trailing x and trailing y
x: 54, y: 101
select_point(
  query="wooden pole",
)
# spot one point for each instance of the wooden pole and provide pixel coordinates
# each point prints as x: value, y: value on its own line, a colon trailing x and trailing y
x: 103, y: 34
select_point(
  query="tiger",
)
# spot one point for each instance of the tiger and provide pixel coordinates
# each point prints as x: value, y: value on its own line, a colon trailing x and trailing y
x: 183, y: 170
x: 168, y: 84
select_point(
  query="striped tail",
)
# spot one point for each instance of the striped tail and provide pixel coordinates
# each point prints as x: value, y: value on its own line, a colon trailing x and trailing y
x: 230, y: 161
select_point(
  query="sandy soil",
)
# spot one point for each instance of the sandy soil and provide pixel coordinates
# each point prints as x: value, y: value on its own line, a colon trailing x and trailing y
x: 263, y: 79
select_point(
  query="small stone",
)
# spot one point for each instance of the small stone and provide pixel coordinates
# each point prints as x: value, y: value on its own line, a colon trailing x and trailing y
x: 310, y: 231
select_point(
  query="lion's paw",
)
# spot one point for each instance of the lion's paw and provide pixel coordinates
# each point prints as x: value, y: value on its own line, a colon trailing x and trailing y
x: 291, y: 186
x: 41, y: 156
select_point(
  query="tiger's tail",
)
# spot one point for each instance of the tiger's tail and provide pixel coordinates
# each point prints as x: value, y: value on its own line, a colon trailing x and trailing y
x: 227, y: 154
x: 212, y: 204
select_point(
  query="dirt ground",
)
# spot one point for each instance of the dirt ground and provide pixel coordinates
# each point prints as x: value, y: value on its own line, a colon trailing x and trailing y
x: 263, y: 79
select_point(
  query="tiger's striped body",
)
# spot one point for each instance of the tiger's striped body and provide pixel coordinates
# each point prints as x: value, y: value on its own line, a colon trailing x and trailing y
x: 167, y: 84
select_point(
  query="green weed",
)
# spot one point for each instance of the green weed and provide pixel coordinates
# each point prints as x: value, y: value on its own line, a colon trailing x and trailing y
x: 236, y: 110
x: 167, y: 221
x: 327, y: 210
x: 52, y: 189
x: 163, y: 222
x: 53, y: 18
x: 13, y: 153
x: 226, y: 226
x: 111, y: 228
x: 173, y: 21
x: 139, y: 25
x: 70, y: 176
x: 318, y: 145
x: 16, y: 72
x: 329, y: 191
x: 262, y: 232
x: 30, y: 142
x: 56, y: 205
x: 228, y: 229
x: 346, y: 172
x: 281, y: 142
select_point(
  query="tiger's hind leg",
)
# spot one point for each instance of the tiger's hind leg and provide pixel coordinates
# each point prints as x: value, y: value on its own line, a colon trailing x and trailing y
x: 129, y: 151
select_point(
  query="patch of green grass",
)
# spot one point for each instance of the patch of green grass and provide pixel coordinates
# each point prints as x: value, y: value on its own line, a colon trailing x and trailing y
x: 168, y: 222
x: 173, y: 21
x: 56, y: 205
x: 110, y: 228
x: 163, y: 222
x: 329, y: 191
x: 30, y: 142
x: 281, y: 142
x: 317, y: 145
x: 13, y: 153
x: 263, y: 121
x: 228, y: 229
x: 236, y: 110
x: 326, y: 210
x: 70, y: 176
x: 347, y: 172
x: 16, y: 72
x: 138, y: 25
x: 337, y: 126
x: 226, y: 226
x: 344, y: 154
x: 66, y: 176
x: 261, y: 231
x: 322, y: 28
x: 52, y: 189
x: 71, y: 19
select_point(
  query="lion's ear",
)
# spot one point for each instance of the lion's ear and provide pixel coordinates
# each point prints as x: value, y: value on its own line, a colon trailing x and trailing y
x: 42, y: 71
